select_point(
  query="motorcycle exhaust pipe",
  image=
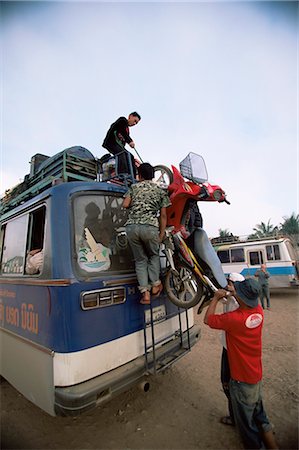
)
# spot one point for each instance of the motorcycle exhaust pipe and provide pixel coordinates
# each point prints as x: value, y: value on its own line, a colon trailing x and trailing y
x: 144, y: 386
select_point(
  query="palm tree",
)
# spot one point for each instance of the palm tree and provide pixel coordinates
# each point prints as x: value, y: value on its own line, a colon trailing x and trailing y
x: 290, y: 227
x: 224, y: 233
x: 263, y: 230
x: 224, y: 236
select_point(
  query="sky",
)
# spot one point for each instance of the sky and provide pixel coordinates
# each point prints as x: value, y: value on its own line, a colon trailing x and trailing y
x: 215, y: 78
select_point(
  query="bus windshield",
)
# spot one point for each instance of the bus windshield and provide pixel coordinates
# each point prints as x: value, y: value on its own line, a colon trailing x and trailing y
x: 100, y: 238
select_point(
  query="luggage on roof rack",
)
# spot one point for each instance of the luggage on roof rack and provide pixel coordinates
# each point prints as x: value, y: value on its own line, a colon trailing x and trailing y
x: 72, y: 164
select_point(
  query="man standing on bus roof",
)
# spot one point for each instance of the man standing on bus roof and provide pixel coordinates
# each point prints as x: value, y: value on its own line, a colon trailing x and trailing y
x: 117, y: 137
x: 263, y: 278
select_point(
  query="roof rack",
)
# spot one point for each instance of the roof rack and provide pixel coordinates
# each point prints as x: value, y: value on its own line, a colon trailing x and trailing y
x: 245, y: 238
x: 72, y: 164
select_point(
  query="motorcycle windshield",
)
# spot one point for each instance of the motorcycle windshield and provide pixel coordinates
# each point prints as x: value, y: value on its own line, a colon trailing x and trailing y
x: 193, y: 168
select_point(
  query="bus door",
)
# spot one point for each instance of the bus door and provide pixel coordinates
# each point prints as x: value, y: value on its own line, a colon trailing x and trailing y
x: 255, y: 258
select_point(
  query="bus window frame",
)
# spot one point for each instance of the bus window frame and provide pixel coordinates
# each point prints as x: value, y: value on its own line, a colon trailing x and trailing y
x: 261, y: 257
x: 276, y: 246
x: 24, y: 246
x: 75, y: 266
x: 26, y: 212
x: 239, y: 261
x: 272, y: 247
x: 30, y: 234
x: 229, y: 253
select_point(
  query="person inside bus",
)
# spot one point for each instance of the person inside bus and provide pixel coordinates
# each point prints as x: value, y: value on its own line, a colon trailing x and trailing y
x: 117, y: 137
x: 93, y: 246
x: 145, y: 230
x: 263, y: 278
x: 34, y: 261
x: 100, y: 228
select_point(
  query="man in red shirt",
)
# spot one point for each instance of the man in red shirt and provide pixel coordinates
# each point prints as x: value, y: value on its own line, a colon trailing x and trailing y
x: 243, y: 329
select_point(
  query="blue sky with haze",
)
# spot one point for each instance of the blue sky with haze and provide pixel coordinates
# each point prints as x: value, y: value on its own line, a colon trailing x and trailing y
x: 216, y: 78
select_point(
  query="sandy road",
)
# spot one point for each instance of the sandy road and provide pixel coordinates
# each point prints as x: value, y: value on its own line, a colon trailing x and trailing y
x: 183, y: 406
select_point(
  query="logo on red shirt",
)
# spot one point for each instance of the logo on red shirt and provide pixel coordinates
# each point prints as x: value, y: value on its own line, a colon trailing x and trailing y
x: 254, y: 320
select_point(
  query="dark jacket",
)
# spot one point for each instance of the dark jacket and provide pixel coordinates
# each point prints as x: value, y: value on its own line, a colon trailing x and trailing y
x: 118, y: 133
x: 193, y: 218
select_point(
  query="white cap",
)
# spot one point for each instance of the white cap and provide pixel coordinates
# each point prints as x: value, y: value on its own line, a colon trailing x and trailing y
x: 234, y: 276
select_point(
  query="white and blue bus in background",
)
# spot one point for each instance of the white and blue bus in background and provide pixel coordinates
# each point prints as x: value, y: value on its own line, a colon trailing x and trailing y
x: 246, y: 257
x: 74, y: 334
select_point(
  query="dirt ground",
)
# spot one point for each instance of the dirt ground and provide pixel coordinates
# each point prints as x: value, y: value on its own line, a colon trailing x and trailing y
x: 183, y: 406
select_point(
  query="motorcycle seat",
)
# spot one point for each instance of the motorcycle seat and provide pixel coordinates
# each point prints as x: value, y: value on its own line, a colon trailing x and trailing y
x: 207, y: 254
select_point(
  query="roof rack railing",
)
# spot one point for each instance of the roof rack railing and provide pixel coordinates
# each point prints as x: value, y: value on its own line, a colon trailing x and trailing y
x: 73, y: 164
x: 245, y: 238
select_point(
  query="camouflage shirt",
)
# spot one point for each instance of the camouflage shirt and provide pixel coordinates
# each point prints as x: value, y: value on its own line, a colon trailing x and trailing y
x: 147, y: 199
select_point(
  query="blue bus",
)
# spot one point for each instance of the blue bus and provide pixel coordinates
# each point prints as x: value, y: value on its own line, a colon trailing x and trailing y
x: 73, y: 333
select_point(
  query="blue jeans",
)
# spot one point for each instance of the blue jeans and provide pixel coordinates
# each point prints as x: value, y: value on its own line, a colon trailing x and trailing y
x: 249, y: 413
x: 145, y: 245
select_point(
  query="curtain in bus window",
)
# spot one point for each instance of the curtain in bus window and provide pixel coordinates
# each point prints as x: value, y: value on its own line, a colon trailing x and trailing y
x: 276, y: 252
x: 101, y: 242
x: 273, y: 252
x: 14, y: 246
x: 269, y: 250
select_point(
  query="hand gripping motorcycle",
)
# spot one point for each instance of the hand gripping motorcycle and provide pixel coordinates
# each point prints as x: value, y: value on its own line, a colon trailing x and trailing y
x: 193, y: 270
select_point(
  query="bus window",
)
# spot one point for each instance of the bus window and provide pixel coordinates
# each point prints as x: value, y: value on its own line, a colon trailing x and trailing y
x: 36, y: 229
x: 1, y: 241
x: 256, y: 258
x: 273, y: 252
x: 276, y: 252
x: 100, y: 238
x: 269, y: 251
x: 14, y: 246
x: 35, y: 242
x: 223, y: 255
x: 237, y: 255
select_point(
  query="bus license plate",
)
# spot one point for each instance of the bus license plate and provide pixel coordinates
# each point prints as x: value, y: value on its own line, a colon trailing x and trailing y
x: 159, y: 313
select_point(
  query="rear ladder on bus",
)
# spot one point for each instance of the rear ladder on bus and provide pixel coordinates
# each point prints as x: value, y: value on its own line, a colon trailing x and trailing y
x: 179, y: 342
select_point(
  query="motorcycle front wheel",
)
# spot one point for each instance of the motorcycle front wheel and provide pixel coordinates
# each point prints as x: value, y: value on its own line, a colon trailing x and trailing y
x: 163, y: 176
x: 184, y: 287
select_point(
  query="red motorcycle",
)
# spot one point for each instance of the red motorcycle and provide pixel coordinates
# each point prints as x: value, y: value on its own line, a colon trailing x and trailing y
x: 193, y: 270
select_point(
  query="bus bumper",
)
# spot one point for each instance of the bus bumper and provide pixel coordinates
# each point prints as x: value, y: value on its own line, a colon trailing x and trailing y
x: 74, y: 400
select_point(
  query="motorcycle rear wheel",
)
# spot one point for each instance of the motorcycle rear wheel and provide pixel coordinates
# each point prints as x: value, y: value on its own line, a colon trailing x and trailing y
x: 184, y: 289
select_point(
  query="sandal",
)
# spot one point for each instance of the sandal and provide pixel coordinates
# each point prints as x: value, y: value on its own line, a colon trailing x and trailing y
x: 227, y: 420
x: 156, y: 290
x: 146, y: 298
